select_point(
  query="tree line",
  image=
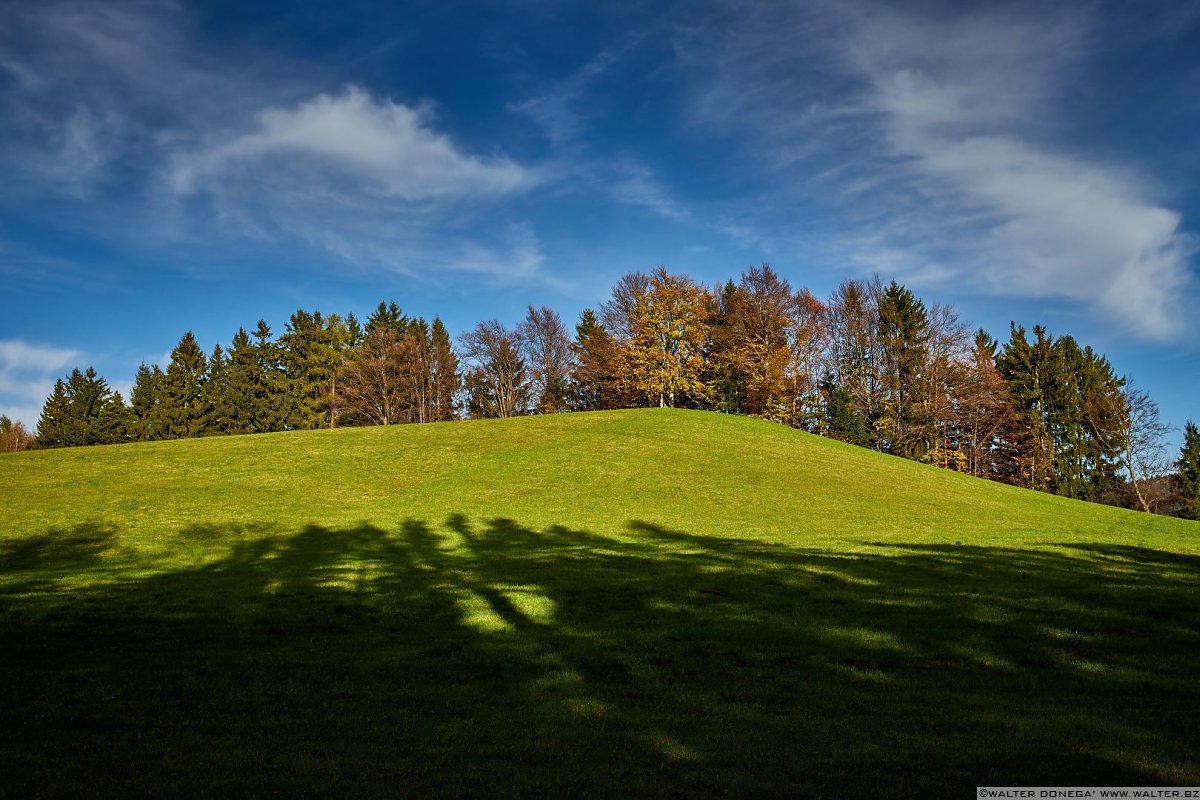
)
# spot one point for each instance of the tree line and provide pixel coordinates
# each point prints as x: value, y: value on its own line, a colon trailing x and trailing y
x: 872, y: 365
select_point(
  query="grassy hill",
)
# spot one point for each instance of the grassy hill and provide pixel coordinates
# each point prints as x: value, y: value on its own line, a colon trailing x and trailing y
x: 634, y: 602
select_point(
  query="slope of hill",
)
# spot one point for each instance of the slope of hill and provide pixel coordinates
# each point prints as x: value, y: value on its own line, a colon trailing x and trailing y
x: 637, y: 602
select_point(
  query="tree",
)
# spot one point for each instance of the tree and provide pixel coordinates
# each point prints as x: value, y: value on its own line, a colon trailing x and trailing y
x: 596, y: 379
x: 1140, y: 444
x: 853, y: 360
x: 986, y: 425
x: 1025, y: 365
x: 903, y: 331
x: 248, y: 391
x: 938, y: 391
x: 82, y: 410
x: 754, y: 344
x: 370, y: 384
x: 842, y: 421
x: 310, y: 352
x: 405, y: 370
x: 1189, y: 471
x: 496, y: 382
x: 218, y: 414
x: 184, y: 410
x: 145, y: 401
x: 268, y: 389
x: 546, y: 346
x: 13, y: 436
x: 444, y: 374
x: 57, y: 427
x: 808, y: 337
x: 1067, y: 403
x: 388, y: 316
x: 667, y: 334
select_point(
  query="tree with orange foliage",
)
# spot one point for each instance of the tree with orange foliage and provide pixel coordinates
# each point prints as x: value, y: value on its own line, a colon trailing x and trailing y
x: 667, y: 333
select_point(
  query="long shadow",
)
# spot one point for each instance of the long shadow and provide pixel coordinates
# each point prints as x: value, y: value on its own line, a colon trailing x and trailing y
x: 487, y: 658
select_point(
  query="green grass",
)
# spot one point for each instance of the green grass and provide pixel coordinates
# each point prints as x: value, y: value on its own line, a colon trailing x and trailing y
x: 660, y: 603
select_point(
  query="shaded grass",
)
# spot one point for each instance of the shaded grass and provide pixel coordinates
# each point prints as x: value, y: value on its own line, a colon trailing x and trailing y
x: 494, y: 659
x: 356, y: 613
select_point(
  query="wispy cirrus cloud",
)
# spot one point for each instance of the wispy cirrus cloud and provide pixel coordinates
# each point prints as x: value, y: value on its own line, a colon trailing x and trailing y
x: 367, y: 179
x: 939, y: 143
x: 122, y: 100
x: 569, y: 112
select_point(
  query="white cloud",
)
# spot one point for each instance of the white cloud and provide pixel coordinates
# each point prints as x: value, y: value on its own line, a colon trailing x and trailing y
x: 941, y: 141
x: 27, y: 375
x: 17, y: 356
x: 122, y: 100
x: 965, y: 101
x: 382, y: 146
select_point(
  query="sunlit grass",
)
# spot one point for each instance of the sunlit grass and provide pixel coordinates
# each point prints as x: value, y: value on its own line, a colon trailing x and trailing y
x: 643, y: 603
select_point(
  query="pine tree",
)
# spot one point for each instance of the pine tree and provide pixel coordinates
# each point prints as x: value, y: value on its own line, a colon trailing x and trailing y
x: 219, y: 415
x: 184, y: 411
x: 54, y: 426
x: 146, y: 404
x: 444, y: 372
x: 904, y: 349
x: 596, y: 382
x: 311, y: 350
x: 82, y: 410
x: 1068, y: 406
x: 268, y: 411
x: 842, y: 420
x: 1024, y: 367
x: 723, y: 374
x: 244, y: 383
x: 387, y: 316
x: 1189, y: 471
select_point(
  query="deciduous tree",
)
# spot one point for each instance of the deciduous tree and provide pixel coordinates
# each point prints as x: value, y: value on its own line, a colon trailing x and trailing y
x: 667, y: 336
x: 547, y: 349
x: 497, y: 382
x: 370, y: 384
x: 754, y: 343
x: 13, y: 436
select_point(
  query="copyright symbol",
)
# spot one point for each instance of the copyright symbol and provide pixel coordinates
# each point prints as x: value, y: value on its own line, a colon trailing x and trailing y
x: 982, y: 792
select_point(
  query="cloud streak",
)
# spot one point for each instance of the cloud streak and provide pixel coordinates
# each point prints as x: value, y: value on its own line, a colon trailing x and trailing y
x: 384, y: 147
x: 123, y: 101
x: 940, y: 140
x: 27, y: 375
x: 963, y: 101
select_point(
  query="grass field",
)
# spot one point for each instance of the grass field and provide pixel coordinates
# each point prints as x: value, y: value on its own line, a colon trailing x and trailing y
x: 659, y: 603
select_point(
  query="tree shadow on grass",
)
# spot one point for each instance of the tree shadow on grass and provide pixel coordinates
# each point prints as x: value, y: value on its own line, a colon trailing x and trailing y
x: 489, y: 658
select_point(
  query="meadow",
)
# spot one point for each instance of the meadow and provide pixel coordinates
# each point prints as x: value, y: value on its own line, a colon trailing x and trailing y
x: 645, y: 602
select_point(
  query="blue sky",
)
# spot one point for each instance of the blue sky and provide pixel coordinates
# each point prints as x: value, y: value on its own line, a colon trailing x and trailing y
x: 199, y: 166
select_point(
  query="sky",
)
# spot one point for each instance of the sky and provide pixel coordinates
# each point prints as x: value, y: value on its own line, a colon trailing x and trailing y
x: 200, y: 166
